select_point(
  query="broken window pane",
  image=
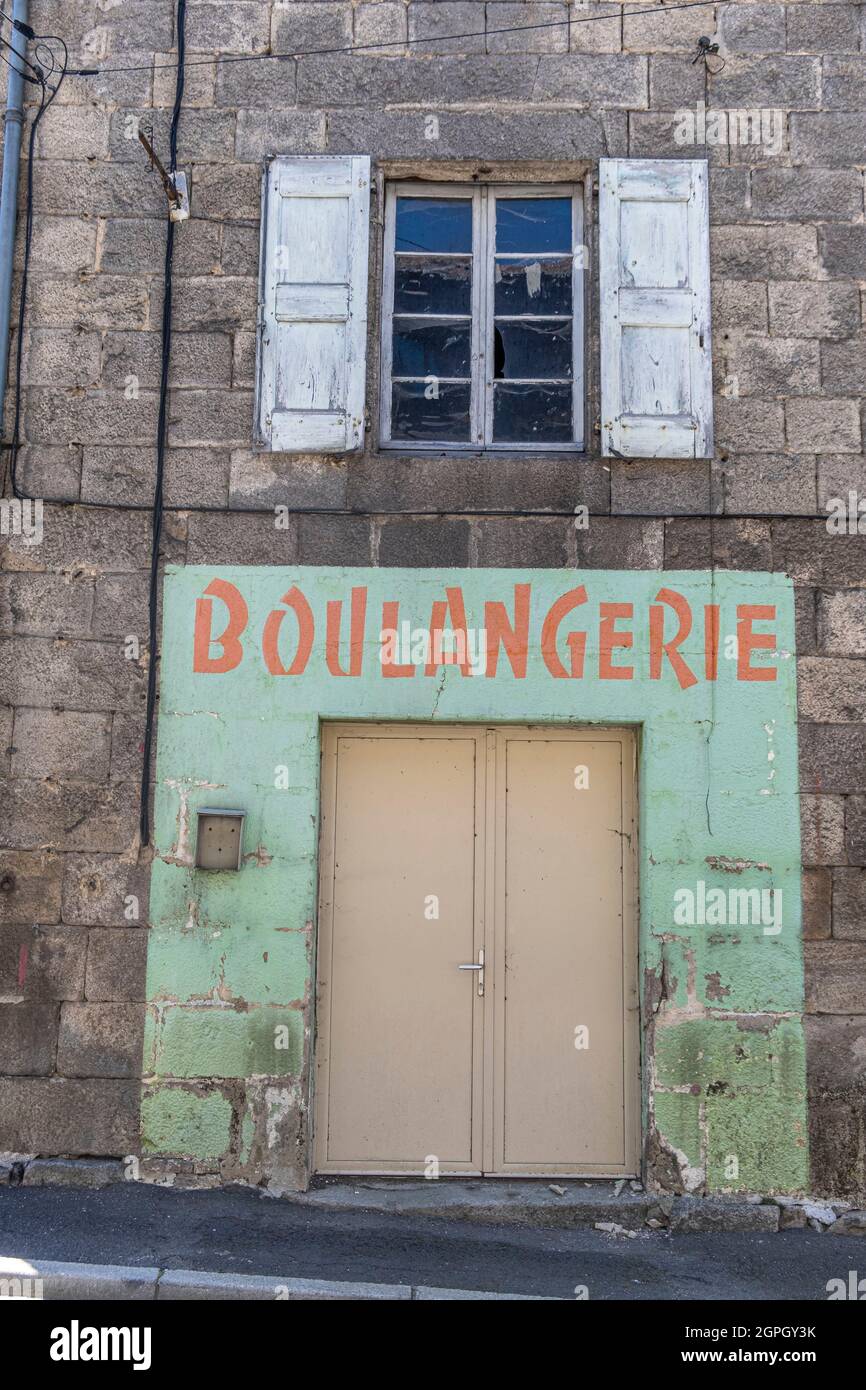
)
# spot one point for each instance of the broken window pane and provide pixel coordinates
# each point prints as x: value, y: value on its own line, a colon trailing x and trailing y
x: 531, y: 414
x: 434, y: 224
x: 428, y: 346
x: 430, y: 411
x: 432, y: 286
x: 529, y: 286
x: 533, y: 224
x: 533, y: 348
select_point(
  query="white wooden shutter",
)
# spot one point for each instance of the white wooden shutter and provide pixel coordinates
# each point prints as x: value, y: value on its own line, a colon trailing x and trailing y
x: 313, y: 310
x: 656, y: 361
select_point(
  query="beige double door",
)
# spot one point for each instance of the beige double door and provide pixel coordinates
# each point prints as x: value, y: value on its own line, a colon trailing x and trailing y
x: 477, y: 954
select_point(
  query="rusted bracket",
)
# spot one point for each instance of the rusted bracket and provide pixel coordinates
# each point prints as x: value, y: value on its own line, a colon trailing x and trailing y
x: 175, y: 185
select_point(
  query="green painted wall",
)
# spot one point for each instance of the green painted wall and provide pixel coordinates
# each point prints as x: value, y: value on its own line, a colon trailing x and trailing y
x: 229, y: 971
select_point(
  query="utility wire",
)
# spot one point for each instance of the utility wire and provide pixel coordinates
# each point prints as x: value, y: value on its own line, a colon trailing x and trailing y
x: 162, y: 429
x: 401, y: 43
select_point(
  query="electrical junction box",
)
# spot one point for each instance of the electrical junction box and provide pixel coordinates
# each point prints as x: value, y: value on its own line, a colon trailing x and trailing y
x: 219, y: 842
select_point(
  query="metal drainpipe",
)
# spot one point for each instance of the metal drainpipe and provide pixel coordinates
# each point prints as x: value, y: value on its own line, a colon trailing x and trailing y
x: 9, y: 194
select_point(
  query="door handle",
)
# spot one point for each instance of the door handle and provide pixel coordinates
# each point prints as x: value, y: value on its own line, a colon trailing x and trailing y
x: 480, y: 968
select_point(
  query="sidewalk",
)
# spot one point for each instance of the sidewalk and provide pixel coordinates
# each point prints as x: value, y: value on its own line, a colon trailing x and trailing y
x: 200, y: 1244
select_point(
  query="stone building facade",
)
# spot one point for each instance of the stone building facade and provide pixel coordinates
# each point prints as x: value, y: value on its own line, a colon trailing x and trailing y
x: 788, y: 267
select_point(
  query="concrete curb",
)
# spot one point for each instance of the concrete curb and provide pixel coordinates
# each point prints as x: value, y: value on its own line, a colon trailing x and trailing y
x: 58, y: 1281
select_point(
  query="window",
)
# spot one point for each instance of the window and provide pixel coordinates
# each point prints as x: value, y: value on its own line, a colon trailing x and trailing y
x: 482, y: 343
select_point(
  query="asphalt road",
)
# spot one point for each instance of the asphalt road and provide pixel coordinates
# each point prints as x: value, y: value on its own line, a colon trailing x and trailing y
x: 241, y: 1231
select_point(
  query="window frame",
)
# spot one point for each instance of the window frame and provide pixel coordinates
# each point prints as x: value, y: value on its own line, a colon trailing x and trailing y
x: 483, y: 197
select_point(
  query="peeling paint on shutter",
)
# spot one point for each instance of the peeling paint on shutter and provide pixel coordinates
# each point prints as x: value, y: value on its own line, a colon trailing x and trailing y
x: 656, y: 361
x: 313, y: 310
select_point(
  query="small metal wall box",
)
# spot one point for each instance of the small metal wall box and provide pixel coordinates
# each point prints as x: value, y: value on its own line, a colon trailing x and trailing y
x: 219, y: 842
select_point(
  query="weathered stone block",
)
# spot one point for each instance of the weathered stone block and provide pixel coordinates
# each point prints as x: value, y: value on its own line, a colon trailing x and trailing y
x: 29, y: 887
x: 822, y: 425
x: 332, y: 540
x: 820, y: 29
x: 829, y: 310
x: 675, y: 85
x: 832, y: 690
x: 227, y: 192
x: 783, y: 483
x: 303, y: 28
x: 268, y: 480
x: 116, y: 962
x: 105, y: 188
x: 842, y: 623
x: 384, y: 22
x: 834, y: 1142
x: 765, y: 253
x: 525, y: 135
x: 200, y: 418
x: 231, y: 26
x: 835, y: 977
x: 805, y: 194
x: 271, y: 84
x: 63, y: 357
x: 216, y: 304
x: 828, y: 138
x: 73, y: 816
x: 768, y: 80
x: 832, y: 757
x: 100, y: 1039
x: 263, y: 134
x: 44, y: 605
x: 73, y: 132
x: 61, y: 1116
x: 849, y: 905
x: 843, y: 84
x: 72, y: 1172
x: 424, y: 543
x: 843, y: 365
x: 855, y: 829
x: 656, y: 485
x: 428, y: 21
x: 92, y: 417
x: 125, y: 475
x: 42, y: 962
x: 774, y: 366
x: 197, y: 477
x: 61, y: 245
x: 593, y: 80
x: 621, y: 543
x: 817, y: 896
x: 83, y: 675
x: 240, y: 249
x: 654, y: 33
x: 589, y: 32
x: 756, y: 29
x: 749, y: 426
x: 536, y: 542
x: 97, y: 301
x: 48, y: 741
x: 822, y: 828
x: 241, y: 540
x: 525, y: 15
x: 739, y: 304
x: 28, y: 1034
x: 843, y: 249
x: 99, y: 890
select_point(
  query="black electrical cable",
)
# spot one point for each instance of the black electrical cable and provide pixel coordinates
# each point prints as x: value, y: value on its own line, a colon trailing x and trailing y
x: 156, y: 525
x: 44, y: 104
